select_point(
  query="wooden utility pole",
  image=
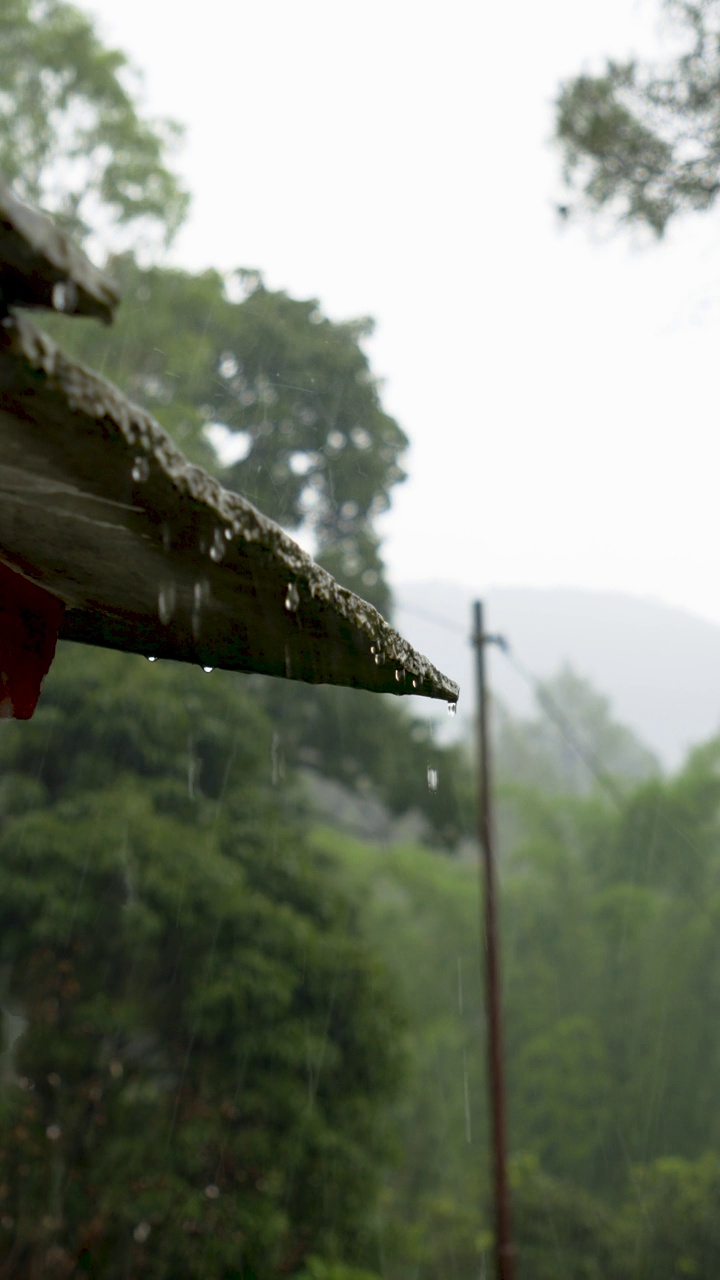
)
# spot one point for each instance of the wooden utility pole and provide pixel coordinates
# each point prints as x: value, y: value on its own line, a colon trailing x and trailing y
x: 504, y: 1254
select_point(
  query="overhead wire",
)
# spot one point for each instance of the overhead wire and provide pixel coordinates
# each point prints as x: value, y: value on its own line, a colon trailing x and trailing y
x: 548, y: 705
x: 562, y: 724
x: 545, y: 702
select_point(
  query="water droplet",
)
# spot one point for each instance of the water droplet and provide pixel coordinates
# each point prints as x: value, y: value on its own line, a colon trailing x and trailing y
x: 292, y: 599
x: 452, y: 708
x: 416, y: 682
x: 140, y: 470
x: 228, y: 533
x: 141, y: 1232
x: 151, y: 659
x: 167, y: 596
x: 65, y: 296
x: 399, y: 674
x: 373, y: 649
x: 379, y: 658
x: 217, y: 550
x: 432, y: 779
x: 53, y: 1132
x: 212, y: 1192
x: 207, y: 670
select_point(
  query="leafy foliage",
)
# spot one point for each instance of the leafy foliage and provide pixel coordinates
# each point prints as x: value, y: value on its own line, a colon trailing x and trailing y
x: 199, y: 1087
x: 644, y: 142
x: 611, y: 951
x: 72, y: 140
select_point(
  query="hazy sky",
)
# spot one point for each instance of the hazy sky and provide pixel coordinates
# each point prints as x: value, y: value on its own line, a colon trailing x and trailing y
x: 392, y: 158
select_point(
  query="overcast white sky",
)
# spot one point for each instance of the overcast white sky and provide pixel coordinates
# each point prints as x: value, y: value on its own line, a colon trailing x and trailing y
x: 392, y: 158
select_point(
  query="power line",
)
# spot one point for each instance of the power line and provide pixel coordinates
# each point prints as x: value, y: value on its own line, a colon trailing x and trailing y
x: 437, y: 621
x: 553, y: 713
x: 546, y: 704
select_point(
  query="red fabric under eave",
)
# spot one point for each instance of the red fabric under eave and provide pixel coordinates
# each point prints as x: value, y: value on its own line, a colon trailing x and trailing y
x: 30, y: 619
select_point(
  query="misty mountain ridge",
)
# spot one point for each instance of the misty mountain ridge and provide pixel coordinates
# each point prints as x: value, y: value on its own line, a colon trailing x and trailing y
x: 658, y: 666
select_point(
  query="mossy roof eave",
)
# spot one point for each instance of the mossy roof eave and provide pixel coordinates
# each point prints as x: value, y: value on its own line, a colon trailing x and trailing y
x: 154, y: 556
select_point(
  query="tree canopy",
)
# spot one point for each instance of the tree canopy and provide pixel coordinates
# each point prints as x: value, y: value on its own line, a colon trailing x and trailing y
x: 642, y: 141
x: 207, y: 1046
x: 611, y: 946
x: 72, y: 139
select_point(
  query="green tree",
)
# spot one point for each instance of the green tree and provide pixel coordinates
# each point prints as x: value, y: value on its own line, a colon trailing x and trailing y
x: 209, y: 1048
x: 643, y: 141
x: 72, y: 140
x: 610, y: 924
x: 562, y: 1230
x: 671, y: 1220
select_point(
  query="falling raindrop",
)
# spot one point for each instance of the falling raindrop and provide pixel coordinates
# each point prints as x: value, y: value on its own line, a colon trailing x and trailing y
x: 217, y: 550
x: 228, y: 533
x: 141, y: 1232
x: 140, y: 470
x: 212, y: 1192
x: 64, y: 296
x: 166, y: 537
x: 167, y: 596
x: 415, y: 682
x: 207, y: 670
x: 151, y: 659
x: 201, y: 595
x: 399, y: 674
x: 292, y: 598
x: 432, y: 779
x: 452, y: 708
x: 193, y: 772
x: 466, y: 1092
x: 277, y: 760
x: 379, y: 658
x: 53, y: 1132
x: 373, y: 649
